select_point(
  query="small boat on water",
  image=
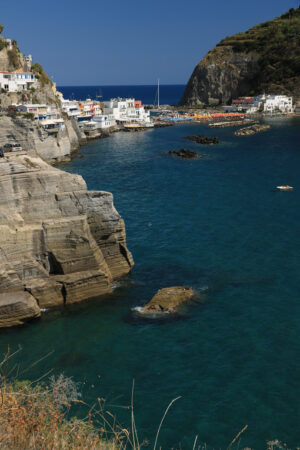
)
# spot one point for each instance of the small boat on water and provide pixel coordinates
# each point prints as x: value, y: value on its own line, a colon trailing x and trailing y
x: 284, y: 187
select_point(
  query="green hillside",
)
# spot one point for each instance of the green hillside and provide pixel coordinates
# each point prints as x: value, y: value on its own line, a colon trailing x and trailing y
x: 266, y: 58
x: 278, y: 44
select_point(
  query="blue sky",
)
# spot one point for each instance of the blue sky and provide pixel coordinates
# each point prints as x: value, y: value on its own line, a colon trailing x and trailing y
x: 105, y: 42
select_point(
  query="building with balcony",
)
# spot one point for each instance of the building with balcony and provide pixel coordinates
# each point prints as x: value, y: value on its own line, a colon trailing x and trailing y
x: 126, y: 110
x: 17, y: 81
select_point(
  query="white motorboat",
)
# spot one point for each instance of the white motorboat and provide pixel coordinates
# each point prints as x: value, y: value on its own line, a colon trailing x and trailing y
x: 284, y: 187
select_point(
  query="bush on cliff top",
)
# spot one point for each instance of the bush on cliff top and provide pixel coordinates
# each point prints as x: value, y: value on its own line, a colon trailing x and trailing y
x: 40, y: 74
x: 267, y: 36
x: 14, y: 57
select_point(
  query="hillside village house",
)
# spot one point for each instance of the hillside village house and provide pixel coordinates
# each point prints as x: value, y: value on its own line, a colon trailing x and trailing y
x: 71, y: 107
x: 17, y: 81
x: 104, y: 121
x: 126, y: 110
x: 95, y: 114
x: 48, y: 116
x: 274, y: 103
x: 266, y: 103
x: 40, y: 111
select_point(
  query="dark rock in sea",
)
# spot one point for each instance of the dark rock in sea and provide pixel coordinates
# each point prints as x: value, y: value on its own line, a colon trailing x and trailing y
x: 184, y: 153
x: 200, y: 139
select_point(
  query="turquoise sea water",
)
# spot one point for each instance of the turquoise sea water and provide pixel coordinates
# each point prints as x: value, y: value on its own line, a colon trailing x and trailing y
x: 215, y: 224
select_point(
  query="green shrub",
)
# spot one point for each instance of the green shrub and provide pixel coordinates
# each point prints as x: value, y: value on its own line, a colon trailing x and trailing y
x: 40, y: 74
x: 14, y: 57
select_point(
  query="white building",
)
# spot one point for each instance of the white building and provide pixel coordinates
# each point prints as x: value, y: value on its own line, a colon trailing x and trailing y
x: 17, y: 81
x: 126, y: 110
x: 40, y: 111
x: 277, y: 103
x: 104, y: 121
x: 71, y: 107
x: 117, y: 108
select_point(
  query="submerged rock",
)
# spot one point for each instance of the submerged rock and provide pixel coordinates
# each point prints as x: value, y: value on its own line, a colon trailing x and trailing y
x: 167, y: 300
x: 201, y: 139
x: 184, y: 153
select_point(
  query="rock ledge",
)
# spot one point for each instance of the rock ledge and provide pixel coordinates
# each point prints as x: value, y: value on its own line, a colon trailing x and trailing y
x: 167, y: 300
x: 59, y: 242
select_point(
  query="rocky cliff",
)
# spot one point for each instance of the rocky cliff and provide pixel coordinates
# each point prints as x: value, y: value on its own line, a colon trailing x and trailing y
x: 37, y: 141
x: 18, y: 127
x: 266, y: 58
x: 59, y: 243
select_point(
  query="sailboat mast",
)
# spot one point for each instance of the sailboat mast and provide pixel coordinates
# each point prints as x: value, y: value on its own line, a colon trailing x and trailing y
x: 158, y: 93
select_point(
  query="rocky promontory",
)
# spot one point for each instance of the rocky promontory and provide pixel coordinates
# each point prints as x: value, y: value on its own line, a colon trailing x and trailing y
x: 21, y: 127
x: 59, y: 242
x: 34, y: 139
x: 265, y: 58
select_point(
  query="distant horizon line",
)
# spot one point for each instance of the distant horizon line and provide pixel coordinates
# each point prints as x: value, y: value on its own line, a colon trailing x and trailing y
x: 116, y: 85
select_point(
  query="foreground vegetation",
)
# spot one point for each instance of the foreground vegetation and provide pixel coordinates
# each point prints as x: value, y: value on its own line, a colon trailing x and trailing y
x: 36, y: 415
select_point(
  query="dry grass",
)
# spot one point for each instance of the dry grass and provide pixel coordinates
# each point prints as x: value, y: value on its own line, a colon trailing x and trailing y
x: 35, y: 416
x: 32, y: 419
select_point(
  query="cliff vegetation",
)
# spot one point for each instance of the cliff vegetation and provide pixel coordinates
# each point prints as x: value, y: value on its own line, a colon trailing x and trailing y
x: 265, y: 58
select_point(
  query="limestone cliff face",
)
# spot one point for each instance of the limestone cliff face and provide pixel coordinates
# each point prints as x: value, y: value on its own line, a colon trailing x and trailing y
x: 220, y: 77
x: 36, y: 141
x: 59, y: 243
x: 265, y: 58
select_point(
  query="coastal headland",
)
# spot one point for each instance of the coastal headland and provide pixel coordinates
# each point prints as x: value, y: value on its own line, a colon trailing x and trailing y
x: 59, y: 242
x: 263, y: 59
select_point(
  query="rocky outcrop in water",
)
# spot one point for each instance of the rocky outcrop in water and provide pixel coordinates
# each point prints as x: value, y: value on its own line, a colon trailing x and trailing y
x: 263, y: 59
x: 58, y: 242
x: 253, y: 129
x: 205, y: 140
x: 168, y: 300
x: 184, y: 153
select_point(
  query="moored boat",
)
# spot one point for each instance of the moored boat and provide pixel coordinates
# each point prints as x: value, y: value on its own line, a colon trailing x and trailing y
x: 284, y: 187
